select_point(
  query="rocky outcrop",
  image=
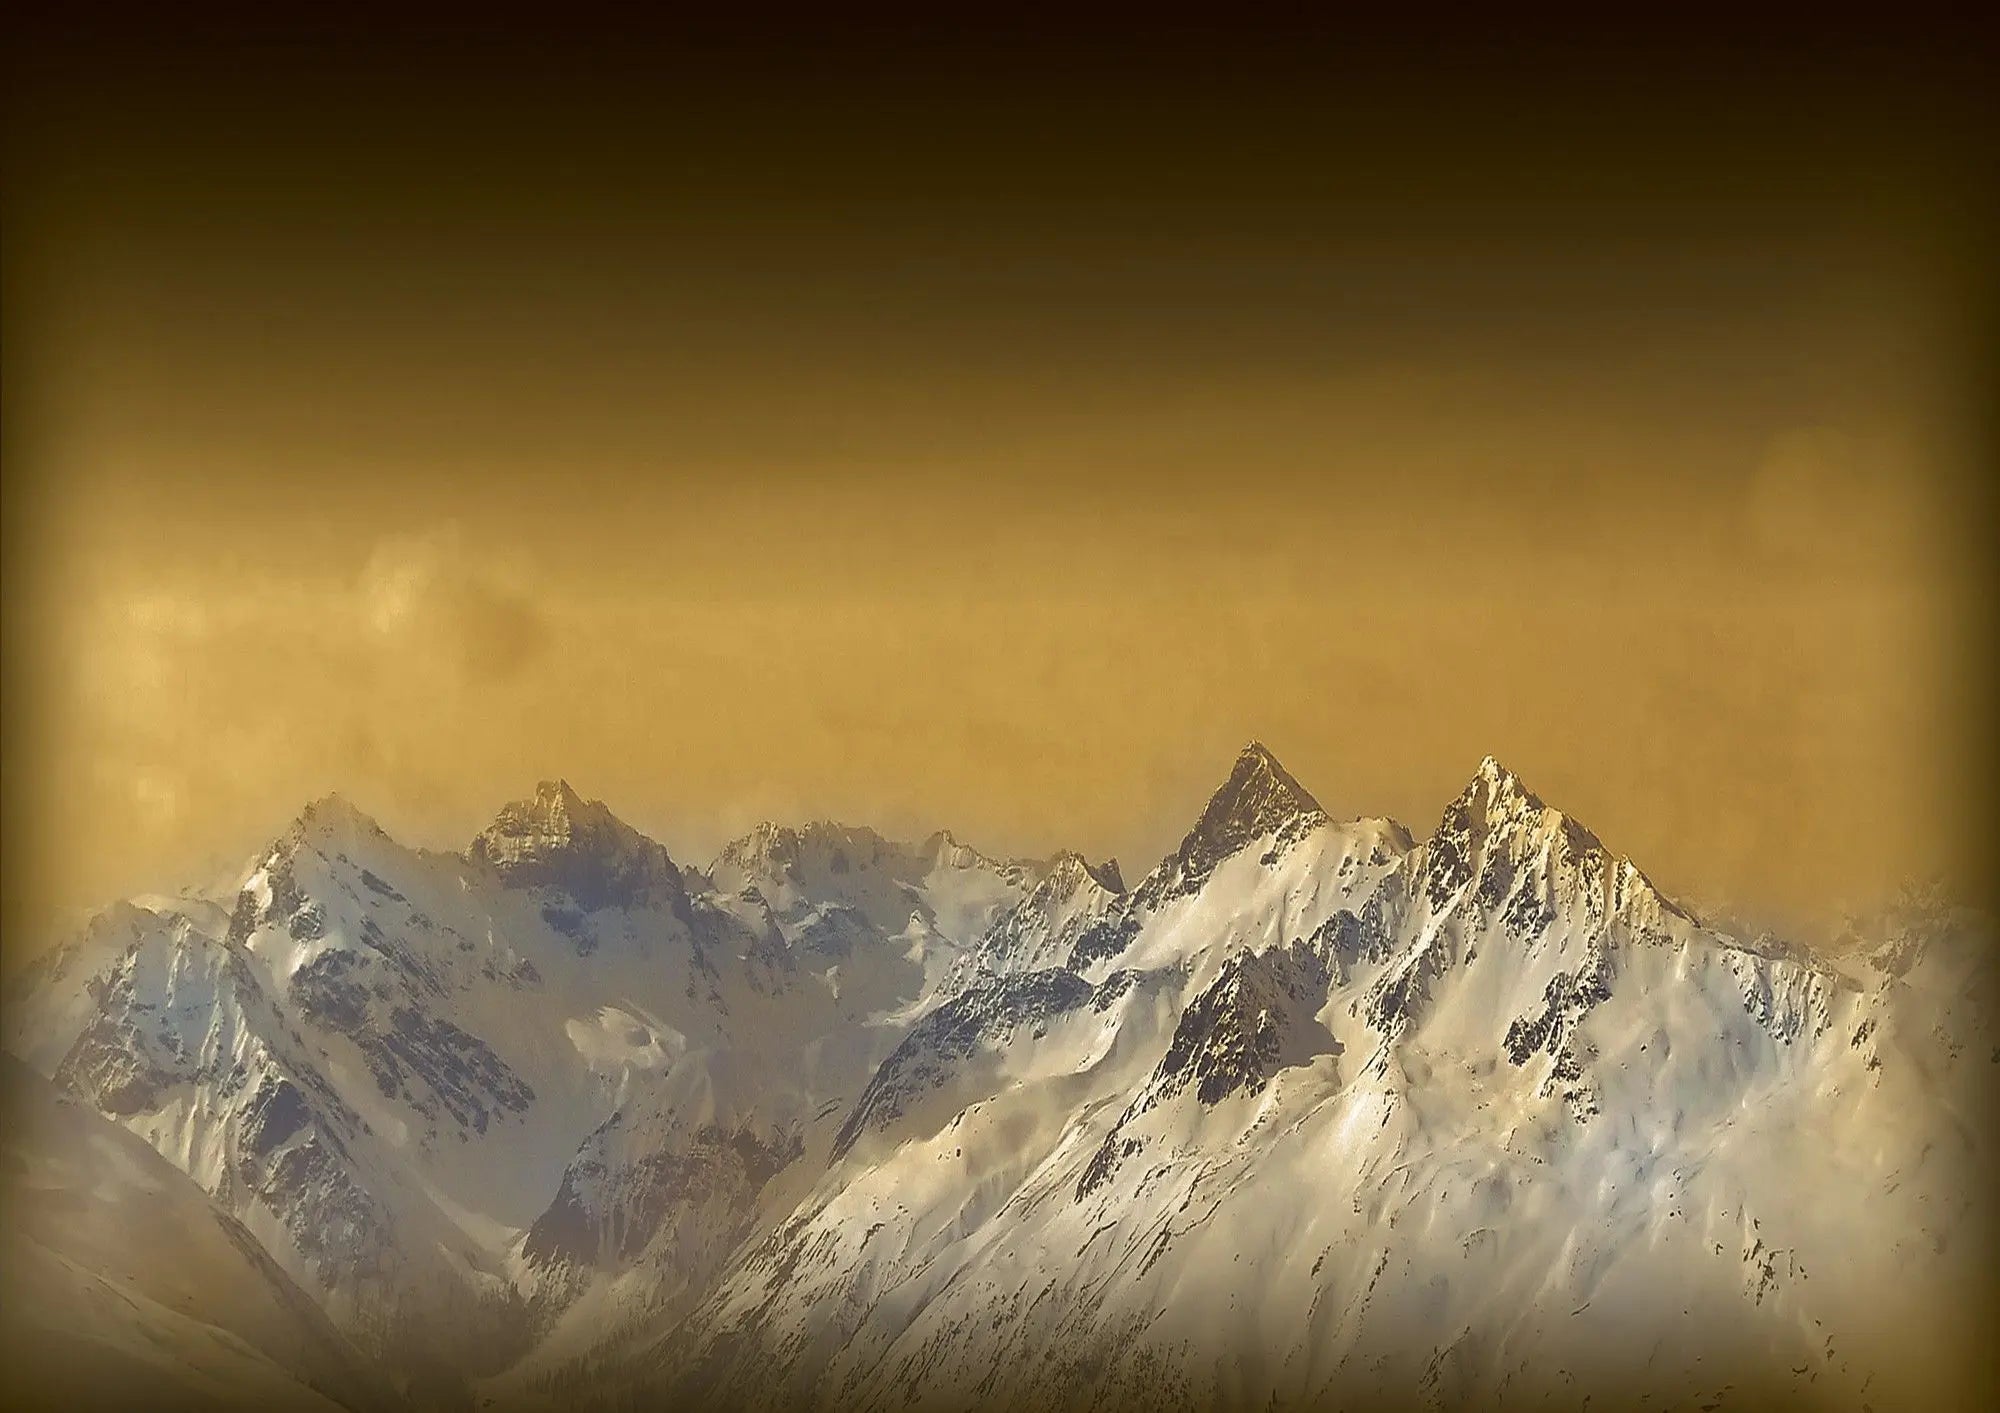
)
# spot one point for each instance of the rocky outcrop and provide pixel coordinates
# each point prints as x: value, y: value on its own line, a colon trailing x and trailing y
x: 558, y: 841
x: 993, y: 1012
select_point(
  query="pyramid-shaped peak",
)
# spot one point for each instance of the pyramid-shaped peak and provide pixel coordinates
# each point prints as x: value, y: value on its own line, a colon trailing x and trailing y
x: 1259, y: 792
x: 556, y: 800
x: 1259, y: 798
x: 1258, y: 752
x: 1496, y: 791
x: 1496, y: 801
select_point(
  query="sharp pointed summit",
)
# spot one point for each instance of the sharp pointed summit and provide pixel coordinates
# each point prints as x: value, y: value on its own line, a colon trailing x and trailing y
x: 330, y: 822
x: 1497, y: 794
x: 1496, y: 800
x: 553, y: 811
x: 1259, y: 796
x: 1532, y: 857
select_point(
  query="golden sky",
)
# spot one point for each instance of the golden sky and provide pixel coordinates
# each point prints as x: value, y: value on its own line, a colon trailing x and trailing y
x: 994, y: 458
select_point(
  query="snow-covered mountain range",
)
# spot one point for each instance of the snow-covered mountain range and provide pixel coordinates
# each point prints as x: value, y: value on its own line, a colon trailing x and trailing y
x: 1316, y: 1113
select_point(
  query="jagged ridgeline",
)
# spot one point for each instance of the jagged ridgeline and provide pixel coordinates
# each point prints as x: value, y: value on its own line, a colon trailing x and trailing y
x: 1316, y: 1113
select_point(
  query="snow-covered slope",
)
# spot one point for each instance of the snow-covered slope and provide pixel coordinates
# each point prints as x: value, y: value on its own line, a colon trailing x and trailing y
x: 49, y: 1002
x: 1314, y: 1113
x: 831, y: 890
x: 450, y: 1093
x: 1497, y: 1125
x: 126, y: 1286
x: 1042, y: 929
x: 714, y: 1147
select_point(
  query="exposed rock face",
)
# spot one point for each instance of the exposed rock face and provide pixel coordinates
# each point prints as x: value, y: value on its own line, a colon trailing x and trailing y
x: 1254, y: 1019
x: 1259, y: 801
x: 1260, y: 797
x: 1532, y: 863
x: 383, y: 996
x: 185, y: 1035
x: 1045, y: 927
x: 614, y: 1203
x: 1233, y: 1037
x: 994, y: 1009
x: 557, y: 840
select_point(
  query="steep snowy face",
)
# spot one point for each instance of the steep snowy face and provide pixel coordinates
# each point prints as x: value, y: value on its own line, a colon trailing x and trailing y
x: 1262, y: 863
x: 337, y: 919
x: 1446, y: 1134
x: 1928, y: 1013
x: 556, y: 840
x: 50, y: 1001
x: 384, y: 1060
x: 188, y: 1048
x: 1513, y: 911
x: 988, y: 1018
x: 1533, y: 863
x: 1042, y: 929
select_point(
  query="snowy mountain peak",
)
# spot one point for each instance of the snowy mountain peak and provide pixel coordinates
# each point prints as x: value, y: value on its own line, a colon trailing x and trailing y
x: 1259, y: 801
x: 1533, y: 859
x: 333, y: 814
x: 1309, y: 1110
x: 555, y: 805
x: 1259, y: 796
x: 555, y: 838
x: 1497, y: 802
x: 1500, y: 793
x: 554, y: 814
x: 328, y: 825
x: 1069, y: 871
x: 557, y: 794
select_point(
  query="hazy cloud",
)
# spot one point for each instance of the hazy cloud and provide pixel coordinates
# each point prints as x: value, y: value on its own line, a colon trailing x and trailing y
x: 428, y: 596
